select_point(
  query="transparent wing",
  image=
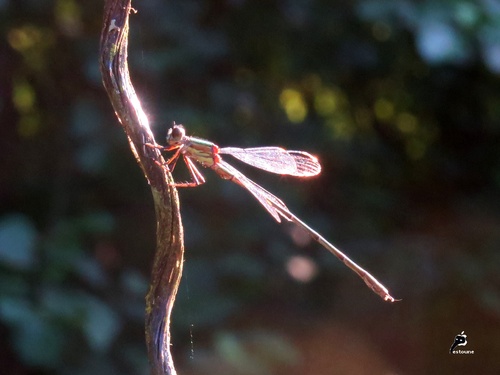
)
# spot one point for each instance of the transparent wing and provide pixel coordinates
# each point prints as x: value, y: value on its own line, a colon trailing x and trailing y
x: 306, y: 164
x: 277, y: 160
x: 278, y: 210
x: 271, y: 203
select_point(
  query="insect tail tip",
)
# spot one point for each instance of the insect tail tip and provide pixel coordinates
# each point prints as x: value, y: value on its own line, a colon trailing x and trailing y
x: 391, y: 299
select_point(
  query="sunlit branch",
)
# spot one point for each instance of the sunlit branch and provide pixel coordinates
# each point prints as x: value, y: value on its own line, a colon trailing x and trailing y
x: 167, y: 267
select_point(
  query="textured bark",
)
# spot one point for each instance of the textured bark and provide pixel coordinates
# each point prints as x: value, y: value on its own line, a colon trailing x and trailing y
x: 167, y: 267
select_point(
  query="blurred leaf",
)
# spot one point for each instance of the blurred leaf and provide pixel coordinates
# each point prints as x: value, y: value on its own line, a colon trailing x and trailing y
x: 38, y: 340
x: 15, y: 311
x: 134, y: 283
x: 256, y: 352
x: 274, y: 348
x: 17, y: 241
x: 101, y: 324
x: 64, y: 248
x: 439, y: 42
x: 490, y: 43
x: 467, y: 14
x: 65, y: 304
x: 232, y: 350
x: 90, y: 270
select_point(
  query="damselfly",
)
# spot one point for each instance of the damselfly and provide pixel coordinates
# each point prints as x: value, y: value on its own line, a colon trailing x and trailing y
x: 271, y: 159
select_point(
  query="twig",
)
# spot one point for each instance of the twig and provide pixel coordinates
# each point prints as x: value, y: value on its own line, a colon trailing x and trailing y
x: 167, y: 267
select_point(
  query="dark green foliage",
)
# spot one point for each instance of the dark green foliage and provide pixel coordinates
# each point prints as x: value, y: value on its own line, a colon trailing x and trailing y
x: 399, y: 100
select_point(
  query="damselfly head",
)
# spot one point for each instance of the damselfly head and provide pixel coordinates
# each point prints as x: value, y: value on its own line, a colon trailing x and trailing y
x: 175, y: 134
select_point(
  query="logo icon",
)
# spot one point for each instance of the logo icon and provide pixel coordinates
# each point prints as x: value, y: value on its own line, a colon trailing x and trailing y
x: 460, y: 340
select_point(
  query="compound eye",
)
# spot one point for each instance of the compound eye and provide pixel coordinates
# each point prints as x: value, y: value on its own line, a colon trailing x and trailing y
x: 175, y: 134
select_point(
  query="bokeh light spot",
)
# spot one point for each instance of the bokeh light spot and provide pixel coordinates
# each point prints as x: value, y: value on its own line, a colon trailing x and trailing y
x: 406, y: 123
x: 23, y: 96
x: 294, y: 105
x: 384, y: 109
x: 326, y: 101
x: 301, y: 268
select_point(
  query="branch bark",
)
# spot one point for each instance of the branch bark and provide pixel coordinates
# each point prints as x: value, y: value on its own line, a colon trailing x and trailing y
x: 167, y: 266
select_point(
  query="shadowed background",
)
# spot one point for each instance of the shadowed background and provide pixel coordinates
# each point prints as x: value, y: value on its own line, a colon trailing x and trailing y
x: 398, y: 99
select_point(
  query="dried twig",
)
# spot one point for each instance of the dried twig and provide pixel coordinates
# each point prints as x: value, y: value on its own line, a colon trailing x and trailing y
x: 167, y: 268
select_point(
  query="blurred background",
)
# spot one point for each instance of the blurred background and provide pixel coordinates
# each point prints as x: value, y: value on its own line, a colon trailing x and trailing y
x: 398, y: 99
